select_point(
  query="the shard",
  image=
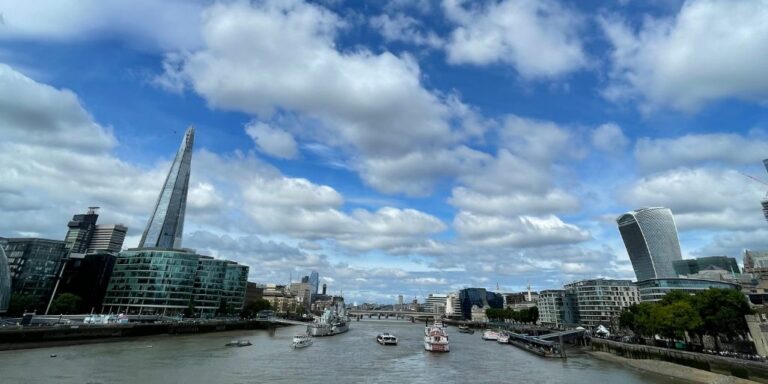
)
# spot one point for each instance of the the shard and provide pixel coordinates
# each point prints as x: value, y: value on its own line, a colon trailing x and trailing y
x: 166, y: 225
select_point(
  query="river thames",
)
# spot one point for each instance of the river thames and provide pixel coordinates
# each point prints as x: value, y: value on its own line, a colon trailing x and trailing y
x: 353, y: 357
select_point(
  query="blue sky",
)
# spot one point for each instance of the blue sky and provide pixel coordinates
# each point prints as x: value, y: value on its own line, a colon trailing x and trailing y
x: 396, y: 147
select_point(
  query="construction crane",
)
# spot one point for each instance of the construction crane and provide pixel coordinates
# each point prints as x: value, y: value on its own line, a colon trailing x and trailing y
x: 764, y: 201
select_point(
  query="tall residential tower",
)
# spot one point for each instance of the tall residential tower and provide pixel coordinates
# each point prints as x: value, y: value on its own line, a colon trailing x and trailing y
x: 650, y: 236
x: 166, y: 225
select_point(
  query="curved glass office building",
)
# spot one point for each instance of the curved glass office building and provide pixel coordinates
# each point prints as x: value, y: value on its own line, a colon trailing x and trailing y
x: 650, y: 236
x: 5, y: 281
x: 152, y: 281
x: 654, y: 289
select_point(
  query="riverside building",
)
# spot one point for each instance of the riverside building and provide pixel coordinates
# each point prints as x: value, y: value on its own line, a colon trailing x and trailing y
x: 650, y: 236
x: 5, y: 280
x: 693, y: 266
x: 600, y: 301
x: 652, y: 290
x: 556, y: 308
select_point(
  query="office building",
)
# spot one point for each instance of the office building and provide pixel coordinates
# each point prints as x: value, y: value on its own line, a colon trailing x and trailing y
x: 166, y: 225
x: 34, y: 266
x: 654, y: 289
x: 650, y: 236
x: 253, y: 293
x: 209, y: 286
x: 692, y: 266
x: 479, y: 297
x: 600, y: 301
x: 107, y: 238
x: 756, y: 262
x: 81, y: 229
x: 314, y: 282
x: 235, y: 284
x: 302, y: 292
x: 556, y: 308
x: 87, y: 276
x: 435, y: 303
x: 5, y: 279
x: 453, y: 306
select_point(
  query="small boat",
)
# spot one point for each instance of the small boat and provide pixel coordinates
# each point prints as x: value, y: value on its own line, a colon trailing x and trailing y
x: 490, y: 335
x: 386, y: 339
x: 503, y: 338
x: 435, y: 337
x: 466, y: 329
x: 235, y: 343
x: 302, y: 341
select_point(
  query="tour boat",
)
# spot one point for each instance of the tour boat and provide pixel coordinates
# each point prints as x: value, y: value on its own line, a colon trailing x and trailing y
x: 503, y: 338
x: 490, y: 335
x: 238, y: 343
x: 386, y: 339
x: 466, y: 329
x: 302, y: 341
x: 435, y: 337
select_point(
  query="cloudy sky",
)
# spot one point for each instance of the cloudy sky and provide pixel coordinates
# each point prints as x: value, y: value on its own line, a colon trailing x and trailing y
x: 396, y: 147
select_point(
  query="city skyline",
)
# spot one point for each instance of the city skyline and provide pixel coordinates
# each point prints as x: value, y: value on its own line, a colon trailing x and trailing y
x: 409, y: 153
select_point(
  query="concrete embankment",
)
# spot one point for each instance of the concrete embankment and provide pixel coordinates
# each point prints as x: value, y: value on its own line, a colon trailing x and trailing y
x: 682, y: 365
x: 22, y: 338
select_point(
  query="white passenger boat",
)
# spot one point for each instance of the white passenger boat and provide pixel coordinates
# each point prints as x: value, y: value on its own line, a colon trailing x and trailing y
x: 490, y: 335
x: 302, y: 341
x: 386, y: 339
x: 503, y: 338
x: 435, y: 337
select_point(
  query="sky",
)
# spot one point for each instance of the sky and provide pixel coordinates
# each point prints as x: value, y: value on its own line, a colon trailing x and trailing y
x: 396, y: 147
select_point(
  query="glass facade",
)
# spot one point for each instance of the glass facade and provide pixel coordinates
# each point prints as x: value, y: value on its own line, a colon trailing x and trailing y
x: 654, y: 289
x: 479, y: 297
x: 166, y: 281
x: 650, y: 236
x: 5, y: 279
x: 692, y: 266
x: 34, y: 266
x: 152, y: 281
x: 165, y: 227
x: 314, y: 282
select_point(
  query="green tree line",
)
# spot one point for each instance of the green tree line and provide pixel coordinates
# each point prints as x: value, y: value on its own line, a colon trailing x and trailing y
x: 711, y: 312
x: 529, y: 315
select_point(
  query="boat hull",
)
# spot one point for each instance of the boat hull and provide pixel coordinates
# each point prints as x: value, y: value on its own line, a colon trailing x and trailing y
x: 437, y: 347
x: 320, y: 330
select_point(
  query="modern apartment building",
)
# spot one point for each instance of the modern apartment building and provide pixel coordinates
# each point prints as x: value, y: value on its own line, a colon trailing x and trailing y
x: 600, y: 301
x: 556, y: 308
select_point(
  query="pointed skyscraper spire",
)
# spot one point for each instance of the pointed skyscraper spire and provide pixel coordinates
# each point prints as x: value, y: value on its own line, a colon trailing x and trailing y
x: 166, y: 225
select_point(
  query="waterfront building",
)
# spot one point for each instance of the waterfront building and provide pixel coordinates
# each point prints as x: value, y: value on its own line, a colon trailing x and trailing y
x: 34, y: 265
x: 281, y: 299
x: 650, y: 236
x: 453, y: 306
x: 399, y: 303
x: 253, y: 293
x: 556, y: 308
x: 435, y: 303
x: 5, y: 279
x: 652, y: 290
x: 692, y: 266
x: 209, y: 286
x: 166, y: 225
x: 520, y: 300
x: 600, y: 301
x: 87, y: 276
x: 480, y: 298
x: 235, y: 283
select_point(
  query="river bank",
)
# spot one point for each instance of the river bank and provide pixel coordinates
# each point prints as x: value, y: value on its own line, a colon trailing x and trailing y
x: 670, y: 370
x: 42, y: 337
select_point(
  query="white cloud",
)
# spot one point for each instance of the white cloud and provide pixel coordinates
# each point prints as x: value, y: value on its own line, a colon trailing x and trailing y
x: 513, y: 202
x: 170, y: 24
x: 538, y: 38
x: 522, y: 231
x: 609, y: 138
x: 370, y: 106
x: 701, y: 198
x: 695, y: 149
x: 709, y: 51
x: 272, y: 141
x: 406, y: 29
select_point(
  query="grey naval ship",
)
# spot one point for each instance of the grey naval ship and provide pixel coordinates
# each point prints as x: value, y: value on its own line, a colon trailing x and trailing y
x: 333, y: 321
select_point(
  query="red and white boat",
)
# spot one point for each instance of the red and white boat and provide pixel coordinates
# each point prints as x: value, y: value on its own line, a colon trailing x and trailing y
x: 490, y: 335
x: 435, y: 337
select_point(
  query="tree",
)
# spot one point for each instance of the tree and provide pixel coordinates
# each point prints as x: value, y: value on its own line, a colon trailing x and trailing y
x: 252, y: 308
x: 190, y: 311
x: 24, y: 303
x: 722, y: 311
x: 66, y: 304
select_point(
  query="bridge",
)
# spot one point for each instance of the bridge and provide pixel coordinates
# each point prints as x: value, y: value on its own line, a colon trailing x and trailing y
x: 359, y: 313
x: 566, y: 335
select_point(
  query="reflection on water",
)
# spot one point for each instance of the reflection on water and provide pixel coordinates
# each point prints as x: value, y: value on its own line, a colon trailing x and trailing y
x: 354, y: 357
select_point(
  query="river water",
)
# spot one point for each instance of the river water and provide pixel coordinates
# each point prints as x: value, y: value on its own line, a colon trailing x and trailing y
x: 353, y: 357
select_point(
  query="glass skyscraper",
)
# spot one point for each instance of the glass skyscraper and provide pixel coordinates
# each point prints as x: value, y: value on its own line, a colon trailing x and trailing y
x: 166, y: 225
x: 650, y: 236
x: 314, y: 281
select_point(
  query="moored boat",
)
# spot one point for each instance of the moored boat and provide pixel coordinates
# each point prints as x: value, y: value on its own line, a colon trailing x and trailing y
x: 503, y: 338
x: 490, y: 335
x: 466, y: 329
x: 386, y: 339
x: 435, y: 337
x: 333, y: 321
x: 302, y: 341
